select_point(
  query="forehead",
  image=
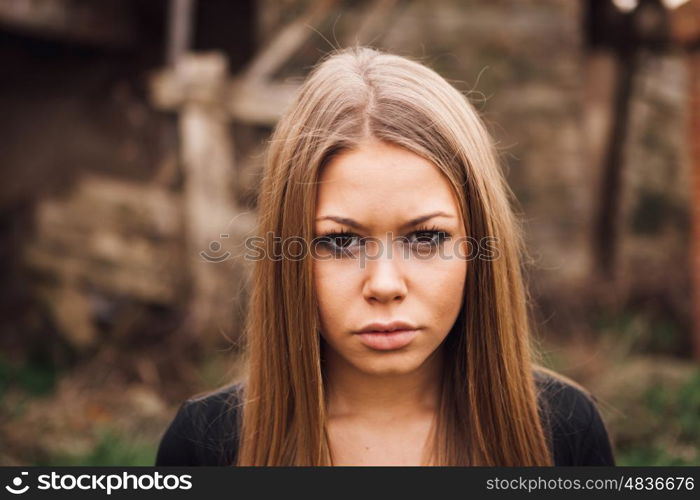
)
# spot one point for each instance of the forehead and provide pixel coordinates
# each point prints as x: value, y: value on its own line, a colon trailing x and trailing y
x: 378, y: 178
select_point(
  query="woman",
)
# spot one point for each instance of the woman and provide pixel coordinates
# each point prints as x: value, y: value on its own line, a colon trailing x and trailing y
x: 388, y: 321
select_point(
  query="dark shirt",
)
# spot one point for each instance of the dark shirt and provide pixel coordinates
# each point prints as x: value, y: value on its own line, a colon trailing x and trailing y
x: 204, y: 430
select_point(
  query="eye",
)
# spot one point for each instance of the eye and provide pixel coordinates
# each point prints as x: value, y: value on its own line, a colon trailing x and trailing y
x: 432, y: 236
x: 340, y: 243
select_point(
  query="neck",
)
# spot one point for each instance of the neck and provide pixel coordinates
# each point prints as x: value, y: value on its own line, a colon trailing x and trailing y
x: 354, y: 393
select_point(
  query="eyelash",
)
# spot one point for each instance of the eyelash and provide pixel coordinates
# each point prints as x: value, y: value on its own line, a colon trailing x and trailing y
x: 439, y: 236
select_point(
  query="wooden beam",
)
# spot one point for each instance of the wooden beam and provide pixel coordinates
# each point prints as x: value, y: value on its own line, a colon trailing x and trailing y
x: 372, y: 24
x: 287, y: 42
x: 259, y: 103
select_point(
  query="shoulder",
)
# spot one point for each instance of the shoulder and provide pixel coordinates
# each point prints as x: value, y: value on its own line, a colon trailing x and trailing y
x: 570, y: 414
x: 204, y: 430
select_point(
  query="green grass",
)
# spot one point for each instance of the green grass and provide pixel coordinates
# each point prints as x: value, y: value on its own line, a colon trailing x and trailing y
x: 650, y: 456
x: 33, y: 377
x: 32, y: 380
x: 634, y: 331
x: 674, y: 426
x: 111, y: 448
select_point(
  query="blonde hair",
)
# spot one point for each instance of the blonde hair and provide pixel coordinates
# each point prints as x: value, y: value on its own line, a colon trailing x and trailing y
x: 488, y: 411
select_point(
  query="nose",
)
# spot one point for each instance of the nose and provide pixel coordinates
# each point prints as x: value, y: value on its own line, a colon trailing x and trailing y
x: 385, y: 281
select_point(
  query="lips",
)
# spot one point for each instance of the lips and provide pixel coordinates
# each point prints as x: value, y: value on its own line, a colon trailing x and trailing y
x: 392, y: 326
x: 387, y: 336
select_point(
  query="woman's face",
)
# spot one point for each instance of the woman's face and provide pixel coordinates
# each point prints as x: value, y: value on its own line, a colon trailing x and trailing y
x: 366, y: 198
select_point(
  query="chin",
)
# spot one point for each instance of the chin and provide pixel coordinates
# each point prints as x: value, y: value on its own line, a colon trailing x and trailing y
x: 389, y: 364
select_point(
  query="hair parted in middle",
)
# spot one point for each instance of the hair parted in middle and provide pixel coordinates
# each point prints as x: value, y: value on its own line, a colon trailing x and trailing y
x: 489, y: 411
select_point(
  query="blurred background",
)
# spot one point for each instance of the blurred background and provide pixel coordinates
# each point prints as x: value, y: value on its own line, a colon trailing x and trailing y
x: 131, y: 147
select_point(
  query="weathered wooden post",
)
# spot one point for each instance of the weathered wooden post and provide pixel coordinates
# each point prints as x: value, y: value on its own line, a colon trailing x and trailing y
x: 694, y: 141
x: 197, y: 88
x: 685, y: 32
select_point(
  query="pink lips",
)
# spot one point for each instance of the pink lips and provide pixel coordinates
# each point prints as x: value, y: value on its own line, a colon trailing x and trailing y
x: 387, y: 336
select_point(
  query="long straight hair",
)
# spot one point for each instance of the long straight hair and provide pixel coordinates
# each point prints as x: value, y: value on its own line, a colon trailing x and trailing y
x: 488, y: 411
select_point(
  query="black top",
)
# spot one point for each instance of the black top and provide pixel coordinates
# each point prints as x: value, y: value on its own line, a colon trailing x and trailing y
x: 204, y: 430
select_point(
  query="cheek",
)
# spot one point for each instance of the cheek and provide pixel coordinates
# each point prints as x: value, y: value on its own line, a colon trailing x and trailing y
x: 440, y: 283
x: 334, y: 286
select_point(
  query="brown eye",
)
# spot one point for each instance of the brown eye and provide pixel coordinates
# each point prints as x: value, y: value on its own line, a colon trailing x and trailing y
x: 339, y: 240
x: 431, y: 237
x: 342, y: 240
x: 340, y: 243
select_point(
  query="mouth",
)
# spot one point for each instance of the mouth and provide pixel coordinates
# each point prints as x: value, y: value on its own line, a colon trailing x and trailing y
x: 387, y: 340
x: 391, y: 327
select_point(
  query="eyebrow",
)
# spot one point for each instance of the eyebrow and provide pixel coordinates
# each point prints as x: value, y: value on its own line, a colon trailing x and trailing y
x: 353, y: 223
